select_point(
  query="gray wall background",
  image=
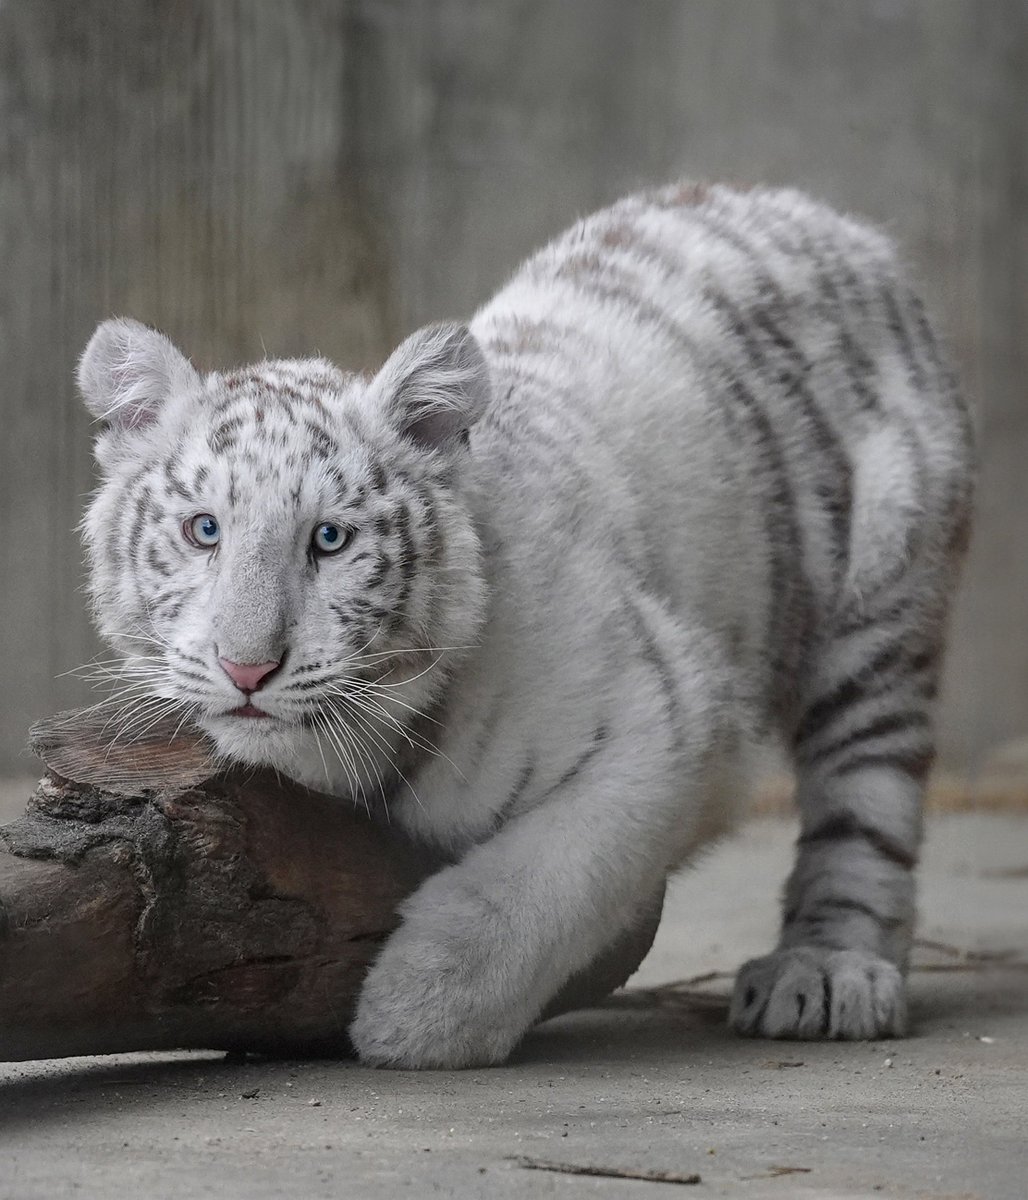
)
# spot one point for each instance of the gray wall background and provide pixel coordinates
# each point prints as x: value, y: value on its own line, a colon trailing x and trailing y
x: 292, y: 175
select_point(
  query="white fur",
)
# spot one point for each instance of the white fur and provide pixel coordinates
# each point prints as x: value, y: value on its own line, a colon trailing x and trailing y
x: 595, y: 629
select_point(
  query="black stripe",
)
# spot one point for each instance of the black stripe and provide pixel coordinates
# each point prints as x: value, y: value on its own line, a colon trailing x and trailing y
x: 817, y: 913
x: 845, y: 827
x: 791, y: 613
x: 157, y: 563
x: 307, y: 668
x: 339, y: 481
x: 141, y: 503
x: 915, y: 761
x: 320, y: 444
x: 528, y: 446
x: 769, y: 315
x: 637, y: 308
x: 517, y: 792
x: 113, y: 541
x: 629, y: 238
x: 928, y: 339
x: 313, y: 383
x: 407, y: 561
x: 865, y: 684
x: 383, y: 565
x: 948, y: 389
x: 303, y: 685
x: 531, y: 420
x: 168, y: 606
x: 901, y: 336
x: 186, y: 673
x: 830, y: 263
x: 342, y: 614
x: 223, y: 437
x: 795, y: 610
x: 599, y: 739
x: 176, y: 484
x: 860, y: 367
x: 834, y: 487
x: 432, y: 540
x: 514, y: 336
x: 231, y: 407
x: 515, y: 796
x: 881, y: 727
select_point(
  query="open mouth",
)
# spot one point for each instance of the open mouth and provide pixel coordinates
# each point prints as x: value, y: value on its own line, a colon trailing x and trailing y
x: 247, y: 710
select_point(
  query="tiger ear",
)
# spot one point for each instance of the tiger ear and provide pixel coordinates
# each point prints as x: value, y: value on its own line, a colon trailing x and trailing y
x: 127, y: 372
x: 434, y: 386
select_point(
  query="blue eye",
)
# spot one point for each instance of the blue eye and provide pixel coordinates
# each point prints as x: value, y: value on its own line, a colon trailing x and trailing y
x: 329, y: 538
x: 203, y: 531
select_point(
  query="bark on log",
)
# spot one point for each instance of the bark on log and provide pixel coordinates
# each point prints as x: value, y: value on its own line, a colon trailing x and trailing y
x: 149, y: 901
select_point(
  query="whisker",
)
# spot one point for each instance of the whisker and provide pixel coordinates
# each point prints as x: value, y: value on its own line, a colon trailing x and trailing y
x: 339, y: 750
x: 394, y: 767
x: 355, y: 714
x: 321, y: 753
x: 368, y: 757
x: 342, y: 751
x: 359, y: 689
x: 358, y: 657
x: 374, y: 707
x: 143, y: 719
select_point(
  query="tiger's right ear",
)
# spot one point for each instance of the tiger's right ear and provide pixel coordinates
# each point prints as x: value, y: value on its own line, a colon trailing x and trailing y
x: 128, y: 371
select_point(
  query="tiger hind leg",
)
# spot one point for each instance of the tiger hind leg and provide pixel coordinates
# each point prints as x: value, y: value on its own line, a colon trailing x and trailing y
x: 862, y: 750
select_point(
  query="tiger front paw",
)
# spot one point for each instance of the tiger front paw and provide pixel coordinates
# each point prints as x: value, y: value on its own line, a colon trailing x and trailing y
x: 444, y: 993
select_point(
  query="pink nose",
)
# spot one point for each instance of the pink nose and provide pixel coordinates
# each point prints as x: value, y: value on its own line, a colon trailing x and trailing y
x: 248, y: 677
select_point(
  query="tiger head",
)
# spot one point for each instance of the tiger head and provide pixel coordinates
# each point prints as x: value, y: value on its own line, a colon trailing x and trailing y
x: 284, y: 553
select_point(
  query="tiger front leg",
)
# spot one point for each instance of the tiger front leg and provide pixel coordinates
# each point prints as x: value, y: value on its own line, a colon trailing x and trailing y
x: 485, y: 944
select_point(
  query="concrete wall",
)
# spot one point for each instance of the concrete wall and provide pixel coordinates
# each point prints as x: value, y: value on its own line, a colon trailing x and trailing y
x: 300, y: 174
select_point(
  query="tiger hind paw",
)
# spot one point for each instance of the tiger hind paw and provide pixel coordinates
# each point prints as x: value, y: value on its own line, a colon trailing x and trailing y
x: 812, y: 992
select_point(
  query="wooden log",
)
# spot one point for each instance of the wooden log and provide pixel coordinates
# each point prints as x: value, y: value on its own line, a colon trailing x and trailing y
x: 150, y: 901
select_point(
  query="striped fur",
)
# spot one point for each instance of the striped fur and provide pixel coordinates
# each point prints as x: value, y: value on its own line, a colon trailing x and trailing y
x: 698, y: 475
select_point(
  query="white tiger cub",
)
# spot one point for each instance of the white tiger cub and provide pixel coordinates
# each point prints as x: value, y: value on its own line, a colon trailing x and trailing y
x: 697, y: 474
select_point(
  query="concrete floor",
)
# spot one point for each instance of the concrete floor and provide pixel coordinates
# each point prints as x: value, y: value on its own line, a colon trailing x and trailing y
x: 644, y: 1084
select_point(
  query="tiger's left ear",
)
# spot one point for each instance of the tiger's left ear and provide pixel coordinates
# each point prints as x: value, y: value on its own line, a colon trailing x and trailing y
x: 434, y: 387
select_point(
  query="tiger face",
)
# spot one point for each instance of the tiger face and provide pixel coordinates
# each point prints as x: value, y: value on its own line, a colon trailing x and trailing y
x: 283, y: 553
